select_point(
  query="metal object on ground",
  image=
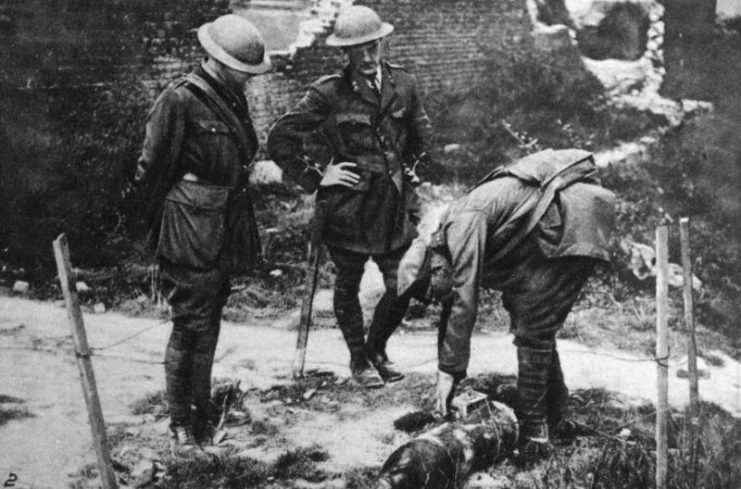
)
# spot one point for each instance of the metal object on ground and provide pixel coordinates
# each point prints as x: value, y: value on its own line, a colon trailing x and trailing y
x: 445, y: 456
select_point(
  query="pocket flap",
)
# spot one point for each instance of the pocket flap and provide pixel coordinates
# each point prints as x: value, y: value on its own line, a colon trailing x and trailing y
x: 364, y: 119
x: 194, y: 194
x: 399, y: 114
x: 212, y: 126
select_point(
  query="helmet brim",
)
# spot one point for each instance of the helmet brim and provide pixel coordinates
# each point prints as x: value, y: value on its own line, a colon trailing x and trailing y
x: 340, y: 42
x: 218, y: 53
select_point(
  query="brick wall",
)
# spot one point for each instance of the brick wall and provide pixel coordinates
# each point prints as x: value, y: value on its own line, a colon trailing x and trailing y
x: 443, y: 42
x: 72, y: 43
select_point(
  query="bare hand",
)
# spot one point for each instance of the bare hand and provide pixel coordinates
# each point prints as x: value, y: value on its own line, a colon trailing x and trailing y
x: 339, y: 174
x: 444, y: 393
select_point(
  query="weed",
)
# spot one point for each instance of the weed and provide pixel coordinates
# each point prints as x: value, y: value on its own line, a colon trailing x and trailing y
x: 360, y: 478
x: 260, y: 427
x: 300, y: 463
x: 153, y: 403
x: 221, y: 472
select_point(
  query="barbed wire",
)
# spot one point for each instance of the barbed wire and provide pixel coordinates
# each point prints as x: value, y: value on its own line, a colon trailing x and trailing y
x: 130, y: 337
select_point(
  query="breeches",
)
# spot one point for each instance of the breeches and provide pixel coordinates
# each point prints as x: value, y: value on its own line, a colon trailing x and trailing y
x: 539, y: 293
x: 390, y: 309
x: 196, y: 298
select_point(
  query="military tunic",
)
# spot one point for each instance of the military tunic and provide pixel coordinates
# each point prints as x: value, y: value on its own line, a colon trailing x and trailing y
x: 380, y: 133
x: 541, y: 278
x: 199, y: 140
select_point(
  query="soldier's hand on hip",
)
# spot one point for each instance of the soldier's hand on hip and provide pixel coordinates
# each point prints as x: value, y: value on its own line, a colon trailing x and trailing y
x: 444, y: 393
x: 340, y: 174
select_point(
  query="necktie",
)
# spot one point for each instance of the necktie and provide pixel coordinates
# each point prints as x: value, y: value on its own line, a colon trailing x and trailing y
x: 373, y: 82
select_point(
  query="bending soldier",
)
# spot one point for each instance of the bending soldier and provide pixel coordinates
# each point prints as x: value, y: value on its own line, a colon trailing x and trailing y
x: 534, y: 231
x: 199, y: 141
x: 372, y: 121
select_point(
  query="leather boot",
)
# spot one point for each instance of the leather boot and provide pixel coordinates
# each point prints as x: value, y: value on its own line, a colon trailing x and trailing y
x: 532, y: 390
x: 388, y: 315
x: 178, y: 375
x: 183, y: 443
x: 560, y: 426
x: 205, y: 414
x: 385, y: 367
x: 350, y: 319
x: 363, y: 372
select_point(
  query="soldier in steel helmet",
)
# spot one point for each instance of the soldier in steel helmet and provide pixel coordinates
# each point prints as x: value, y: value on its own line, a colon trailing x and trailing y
x: 193, y: 167
x: 373, y: 126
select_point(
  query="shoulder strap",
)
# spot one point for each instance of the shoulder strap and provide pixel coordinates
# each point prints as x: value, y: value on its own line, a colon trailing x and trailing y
x: 206, y: 94
x: 543, y: 198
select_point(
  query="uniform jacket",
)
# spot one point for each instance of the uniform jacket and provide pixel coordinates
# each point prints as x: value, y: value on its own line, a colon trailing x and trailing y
x: 199, y: 126
x: 380, y: 135
x: 577, y: 222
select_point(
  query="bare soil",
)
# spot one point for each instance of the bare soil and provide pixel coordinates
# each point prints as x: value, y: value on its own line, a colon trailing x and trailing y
x: 52, y: 447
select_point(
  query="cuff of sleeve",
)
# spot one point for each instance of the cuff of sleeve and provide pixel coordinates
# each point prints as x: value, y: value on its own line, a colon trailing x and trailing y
x: 457, y: 376
x: 309, y: 179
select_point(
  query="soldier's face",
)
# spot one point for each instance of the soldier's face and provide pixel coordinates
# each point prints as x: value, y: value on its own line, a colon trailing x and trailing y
x: 236, y: 78
x: 365, y: 58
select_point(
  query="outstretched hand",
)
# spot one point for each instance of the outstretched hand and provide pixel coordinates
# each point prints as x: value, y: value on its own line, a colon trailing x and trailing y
x: 340, y: 174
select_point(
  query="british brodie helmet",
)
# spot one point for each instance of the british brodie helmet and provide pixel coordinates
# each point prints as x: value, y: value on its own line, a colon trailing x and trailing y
x: 358, y: 25
x: 235, y: 42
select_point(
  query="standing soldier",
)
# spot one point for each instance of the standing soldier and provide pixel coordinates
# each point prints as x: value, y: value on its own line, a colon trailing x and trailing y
x: 199, y: 141
x: 375, y: 127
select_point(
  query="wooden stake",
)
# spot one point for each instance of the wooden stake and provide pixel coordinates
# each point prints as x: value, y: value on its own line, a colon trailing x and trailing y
x: 84, y: 363
x: 662, y: 355
x: 689, y: 326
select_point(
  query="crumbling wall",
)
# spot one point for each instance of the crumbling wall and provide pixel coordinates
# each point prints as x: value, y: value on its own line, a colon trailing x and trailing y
x: 78, y: 76
x: 703, y: 58
x: 445, y: 43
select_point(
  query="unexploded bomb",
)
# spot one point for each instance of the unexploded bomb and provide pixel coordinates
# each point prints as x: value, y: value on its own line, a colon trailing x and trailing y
x: 446, y: 455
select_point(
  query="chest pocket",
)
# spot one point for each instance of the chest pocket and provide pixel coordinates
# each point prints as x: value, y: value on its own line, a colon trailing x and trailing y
x: 217, y: 150
x: 356, y: 132
x: 207, y: 126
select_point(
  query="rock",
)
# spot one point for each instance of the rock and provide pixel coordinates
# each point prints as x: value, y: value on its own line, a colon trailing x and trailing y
x: 99, y: 308
x: 21, y: 287
x: 309, y: 394
x: 616, y: 29
x: 143, y: 472
x: 642, y: 263
x: 81, y: 287
x: 728, y: 9
x: 625, y: 433
x: 276, y: 273
x: 265, y: 172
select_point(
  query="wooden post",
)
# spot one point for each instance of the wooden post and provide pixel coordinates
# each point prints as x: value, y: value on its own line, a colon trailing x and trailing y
x: 84, y: 363
x: 662, y: 354
x: 689, y: 326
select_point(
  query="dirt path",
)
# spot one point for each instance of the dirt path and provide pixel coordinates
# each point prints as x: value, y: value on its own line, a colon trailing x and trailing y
x: 38, y: 367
